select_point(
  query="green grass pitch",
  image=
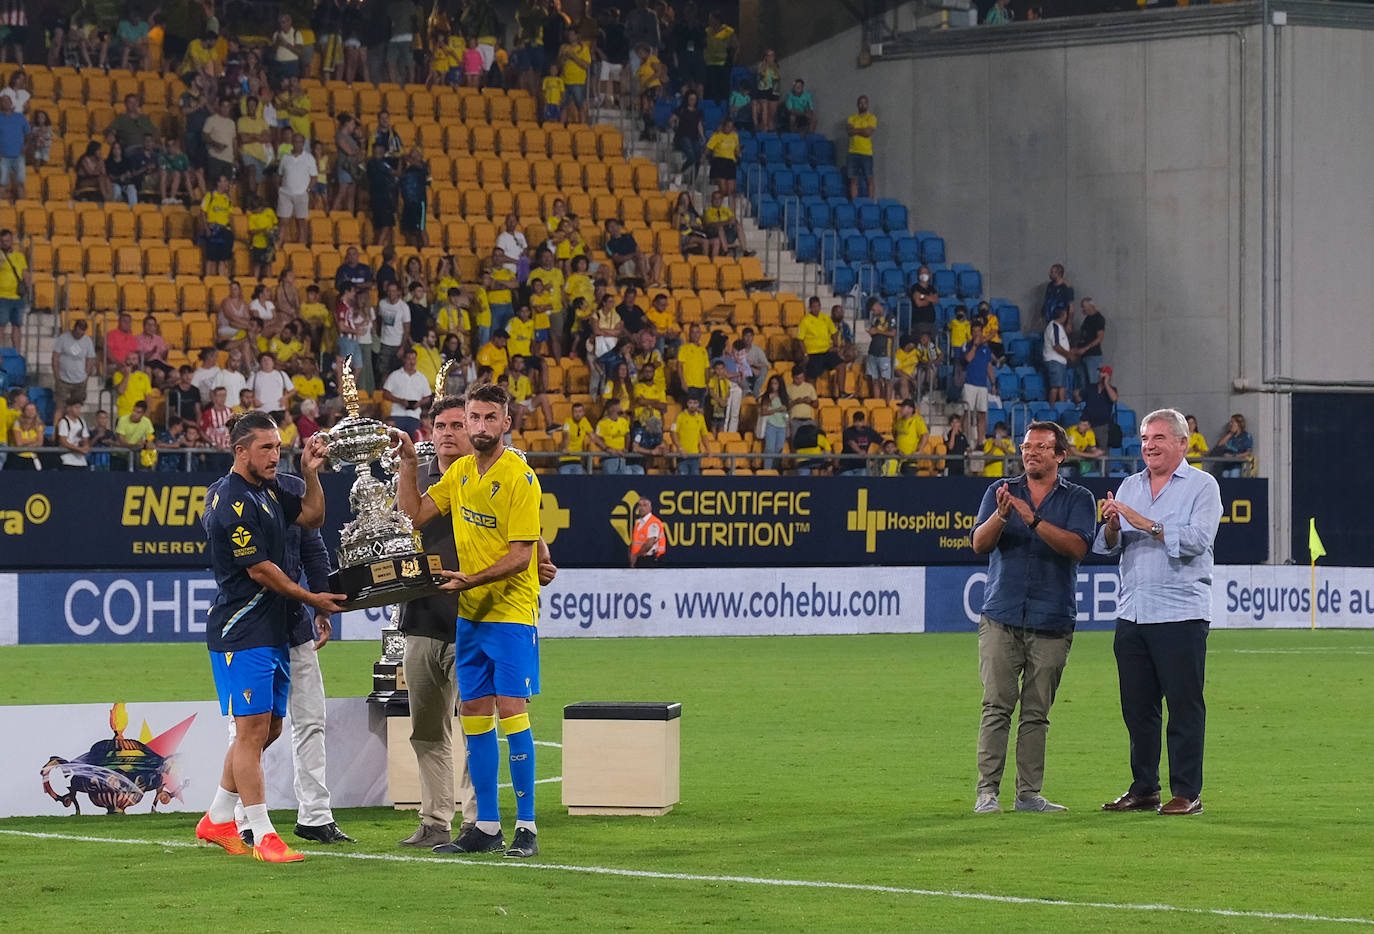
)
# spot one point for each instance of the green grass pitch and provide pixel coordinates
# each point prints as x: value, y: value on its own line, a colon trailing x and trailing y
x: 843, y: 760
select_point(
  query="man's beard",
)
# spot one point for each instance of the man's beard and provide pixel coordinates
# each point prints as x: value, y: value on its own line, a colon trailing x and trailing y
x: 483, y: 443
x: 259, y: 475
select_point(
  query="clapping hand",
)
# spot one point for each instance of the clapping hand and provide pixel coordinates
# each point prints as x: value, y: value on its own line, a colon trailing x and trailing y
x: 1006, y: 502
x: 1114, y: 511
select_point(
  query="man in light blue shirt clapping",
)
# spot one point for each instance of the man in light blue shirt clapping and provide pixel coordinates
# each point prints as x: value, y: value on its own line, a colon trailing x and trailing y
x: 1163, y: 523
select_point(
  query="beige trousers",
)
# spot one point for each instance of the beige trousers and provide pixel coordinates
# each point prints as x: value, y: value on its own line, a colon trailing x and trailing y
x: 433, y: 688
x: 1016, y: 665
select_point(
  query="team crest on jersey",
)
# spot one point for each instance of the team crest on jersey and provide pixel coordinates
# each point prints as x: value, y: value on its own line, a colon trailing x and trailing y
x: 238, y: 507
x: 495, y: 485
x: 248, y: 696
x: 241, y: 537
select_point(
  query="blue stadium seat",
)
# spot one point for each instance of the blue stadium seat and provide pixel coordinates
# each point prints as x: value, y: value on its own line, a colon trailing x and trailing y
x: 995, y: 414
x: 1008, y: 387
x: 808, y: 182
x: 769, y: 212
x: 663, y: 113
x: 807, y: 247
x: 818, y: 214
x: 770, y: 148
x: 894, y: 215
x: 1065, y: 408
x: 868, y: 279
x: 741, y: 75
x: 879, y: 246
x: 845, y: 278
x: 968, y: 281
x: 1033, y: 387
x: 845, y: 215
x: 891, y: 282
x: 832, y: 181
x: 856, y: 248
x: 908, y: 250
x: 781, y: 180
x: 1018, y: 351
x: 870, y: 215
x: 932, y: 247
x: 1020, y: 418
x: 1008, y: 315
x: 16, y: 367
x: 1126, y: 419
x: 795, y: 150
x: 41, y: 396
x: 822, y: 149
x: 1042, y: 413
x: 748, y: 148
x: 944, y: 312
x: 944, y: 281
x: 711, y: 114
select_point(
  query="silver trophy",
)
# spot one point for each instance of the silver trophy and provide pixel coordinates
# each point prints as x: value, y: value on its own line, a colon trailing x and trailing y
x: 381, y: 559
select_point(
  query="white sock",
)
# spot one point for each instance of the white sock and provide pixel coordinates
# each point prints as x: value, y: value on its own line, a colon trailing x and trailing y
x: 489, y: 826
x: 240, y: 817
x: 222, y: 808
x: 525, y: 825
x: 259, y: 821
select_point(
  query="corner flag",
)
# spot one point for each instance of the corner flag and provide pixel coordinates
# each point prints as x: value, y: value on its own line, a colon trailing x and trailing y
x: 1314, y: 542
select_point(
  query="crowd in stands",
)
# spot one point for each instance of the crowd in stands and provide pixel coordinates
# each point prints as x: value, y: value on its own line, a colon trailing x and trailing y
x: 628, y: 324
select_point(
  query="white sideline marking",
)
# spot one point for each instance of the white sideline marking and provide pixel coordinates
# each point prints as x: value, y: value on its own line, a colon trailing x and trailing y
x: 538, y: 742
x: 1308, y: 650
x: 741, y: 880
x: 537, y: 781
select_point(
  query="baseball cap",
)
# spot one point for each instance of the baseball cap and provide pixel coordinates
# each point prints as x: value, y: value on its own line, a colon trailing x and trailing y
x: 1104, y: 369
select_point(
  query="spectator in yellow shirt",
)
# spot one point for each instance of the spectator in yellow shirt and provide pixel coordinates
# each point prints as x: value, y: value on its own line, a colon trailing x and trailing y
x: 525, y: 398
x: 612, y: 431
x: 262, y: 228
x: 724, y: 149
x: 318, y: 319
x: 1083, y: 440
x: 132, y: 383
x: 650, y: 397
x: 1197, y: 443
x: 428, y: 359
x: 693, y: 362
x: 578, y: 438
x: 861, y: 126
x: 576, y: 59
x: 307, y: 382
x: 909, y: 429
x: 688, y: 438
x: 996, y: 450
x: 495, y: 354
x: 820, y: 340
x: 551, y: 90
x: 724, y: 227
x: 652, y: 75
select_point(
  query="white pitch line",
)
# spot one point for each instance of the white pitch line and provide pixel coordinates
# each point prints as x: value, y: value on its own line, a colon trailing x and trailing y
x: 743, y: 880
x: 539, y: 742
x: 1309, y: 650
x: 537, y: 781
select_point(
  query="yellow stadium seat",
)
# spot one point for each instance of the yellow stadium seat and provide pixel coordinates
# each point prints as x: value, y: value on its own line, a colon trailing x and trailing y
x: 689, y: 309
x: 483, y: 140
x: 508, y: 141
x: 660, y: 206
x: 70, y: 87
x: 535, y: 140
x: 526, y: 110
x: 609, y: 142
x: 57, y: 187
x: 33, y: 221
x: 42, y: 84
x: 321, y: 230
x: 449, y: 201
x: 120, y: 221
x: 348, y: 229
x: 41, y: 255
x: 631, y: 208
x: 792, y: 312
x: 180, y: 224
x: 148, y: 226
x: 768, y: 312
x: 104, y: 293
x: 449, y: 104
x: 68, y: 257
x: 44, y: 291
x: 200, y: 332
x: 584, y: 143
x: 342, y: 100
x: 560, y: 141
x: 604, y: 207
x: 430, y: 135
x: 63, y: 223
x: 186, y: 261
x: 397, y: 103
x: 76, y: 296
x: 596, y: 174
x: 543, y: 173
x: 93, y: 224
x: 731, y: 276
x: 580, y: 203
x: 646, y: 177
x: 474, y: 203
x: 99, y: 87
x: 125, y: 83
x: 162, y: 298
x: 133, y: 296
x: 622, y: 176
x: 474, y: 109
x: 368, y: 101
x: 500, y: 202
x: 483, y: 238
x: 157, y: 259
x: 527, y: 204
x: 704, y: 276
x: 501, y: 109
x: 491, y: 172
x: 518, y: 174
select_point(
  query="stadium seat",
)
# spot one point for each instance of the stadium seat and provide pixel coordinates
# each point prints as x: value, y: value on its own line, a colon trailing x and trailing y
x: 968, y: 281
x: 932, y: 247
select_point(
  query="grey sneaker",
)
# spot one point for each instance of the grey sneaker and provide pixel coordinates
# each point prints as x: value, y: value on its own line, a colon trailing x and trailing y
x: 987, y: 804
x: 1037, y: 803
x: 428, y: 836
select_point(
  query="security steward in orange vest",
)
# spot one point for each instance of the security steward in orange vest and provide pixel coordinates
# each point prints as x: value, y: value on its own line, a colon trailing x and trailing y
x: 649, y: 540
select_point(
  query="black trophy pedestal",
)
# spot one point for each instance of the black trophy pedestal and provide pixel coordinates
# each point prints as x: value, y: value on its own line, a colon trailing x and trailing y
x: 390, y: 580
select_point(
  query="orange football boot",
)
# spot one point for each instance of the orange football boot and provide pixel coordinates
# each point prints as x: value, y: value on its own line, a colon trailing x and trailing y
x: 272, y: 849
x: 225, y: 835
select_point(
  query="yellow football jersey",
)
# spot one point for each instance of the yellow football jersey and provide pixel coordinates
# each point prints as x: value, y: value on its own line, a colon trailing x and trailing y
x: 489, y: 511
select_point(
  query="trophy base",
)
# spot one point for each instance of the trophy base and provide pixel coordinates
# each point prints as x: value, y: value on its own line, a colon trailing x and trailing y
x: 390, y: 580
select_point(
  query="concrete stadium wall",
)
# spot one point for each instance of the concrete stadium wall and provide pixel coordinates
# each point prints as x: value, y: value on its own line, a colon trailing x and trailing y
x: 1138, y: 159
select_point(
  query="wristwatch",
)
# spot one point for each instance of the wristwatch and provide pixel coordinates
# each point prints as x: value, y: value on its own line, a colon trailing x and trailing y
x: 1156, y: 529
x: 1033, y: 523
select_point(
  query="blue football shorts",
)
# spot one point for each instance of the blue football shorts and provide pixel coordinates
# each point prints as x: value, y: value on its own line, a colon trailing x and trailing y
x: 252, y: 681
x: 497, y: 658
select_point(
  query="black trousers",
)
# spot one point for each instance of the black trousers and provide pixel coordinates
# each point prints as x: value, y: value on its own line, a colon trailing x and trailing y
x: 1163, y: 661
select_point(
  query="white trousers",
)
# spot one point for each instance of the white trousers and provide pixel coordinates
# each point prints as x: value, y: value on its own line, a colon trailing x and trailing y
x: 305, y: 704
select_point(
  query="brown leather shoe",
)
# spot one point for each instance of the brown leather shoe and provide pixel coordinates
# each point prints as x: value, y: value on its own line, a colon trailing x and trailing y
x: 1180, y: 806
x: 1132, y: 802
